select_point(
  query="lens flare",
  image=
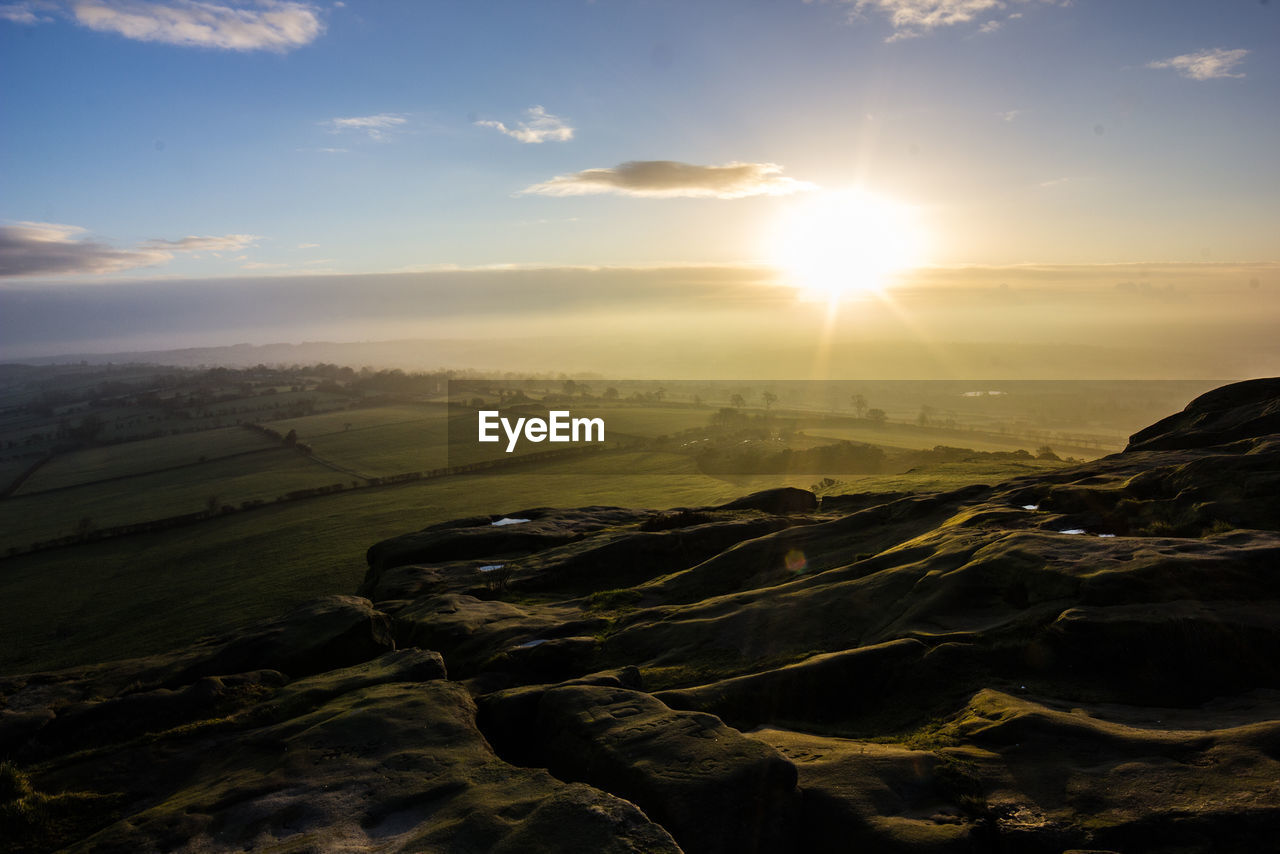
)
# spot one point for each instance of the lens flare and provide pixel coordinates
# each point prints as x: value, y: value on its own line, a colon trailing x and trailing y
x: 795, y: 561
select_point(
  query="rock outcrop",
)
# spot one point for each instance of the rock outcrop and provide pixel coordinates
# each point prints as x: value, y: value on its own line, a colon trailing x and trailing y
x: 1084, y: 660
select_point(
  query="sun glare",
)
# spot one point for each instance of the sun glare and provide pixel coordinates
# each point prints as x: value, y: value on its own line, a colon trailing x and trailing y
x: 839, y: 244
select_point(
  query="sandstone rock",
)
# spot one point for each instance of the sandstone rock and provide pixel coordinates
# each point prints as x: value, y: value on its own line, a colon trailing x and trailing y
x: 322, y: 635
x: 714, y: 789
x: 781, y: 501
x: 395, y: 767
x: 833, y: 686
x: 1239, y: 411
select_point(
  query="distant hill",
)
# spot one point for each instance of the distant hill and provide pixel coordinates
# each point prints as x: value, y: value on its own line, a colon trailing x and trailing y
x: 655, y: 355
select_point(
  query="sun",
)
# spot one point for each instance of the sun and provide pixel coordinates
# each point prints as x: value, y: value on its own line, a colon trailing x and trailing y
x: 843, y: 243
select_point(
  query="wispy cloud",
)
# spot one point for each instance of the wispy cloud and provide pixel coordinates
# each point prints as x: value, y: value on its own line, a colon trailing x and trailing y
x: 27, y: 12
x: 669, y: 179
x: 378, y: 127
x: 264, y: 25
x: 1204, y: 64
x: 914, y: 18
x: 539, y: 126
x: 1056, y: 182
x: 307, y: 246
x: 48, y: 249
x: 193, y: 243
x: 1009, y: 115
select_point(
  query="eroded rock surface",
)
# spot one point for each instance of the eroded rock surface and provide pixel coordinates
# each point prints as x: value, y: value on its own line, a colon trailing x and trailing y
x: 1084, y: 660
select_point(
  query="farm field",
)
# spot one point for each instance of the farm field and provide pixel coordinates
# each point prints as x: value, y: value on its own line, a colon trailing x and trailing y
x: 378, y: 442
x: 39, y: 516
x: 913, y: 437
x: 149, y: 591
x: 148, y: 455
x: 110, y: 596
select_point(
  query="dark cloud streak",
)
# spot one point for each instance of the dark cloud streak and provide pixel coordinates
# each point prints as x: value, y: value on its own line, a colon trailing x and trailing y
x: 48, y: 249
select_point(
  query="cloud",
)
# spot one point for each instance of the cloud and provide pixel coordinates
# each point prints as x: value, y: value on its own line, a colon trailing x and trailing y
x: 27, y: 12
x: 192, y: 243
x: 540, y: 127
x: 1056, y: 182
x: 1009, y: 115
x: 1204, y: 64
x: 914, y: 18
x: 669, y: 179
x: 377, y: 127
x: 45, y: 248
x: 307, y: 245
x: 266, y: 25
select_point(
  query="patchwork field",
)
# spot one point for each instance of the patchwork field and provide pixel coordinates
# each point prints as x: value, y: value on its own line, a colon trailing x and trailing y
x: 271, y: 522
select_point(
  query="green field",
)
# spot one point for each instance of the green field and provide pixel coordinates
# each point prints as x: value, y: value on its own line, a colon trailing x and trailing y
x: 139, y: 594
x: 262, y: 476
x: 133, y: 458
x: 913, y: 437
x: 399, y: 442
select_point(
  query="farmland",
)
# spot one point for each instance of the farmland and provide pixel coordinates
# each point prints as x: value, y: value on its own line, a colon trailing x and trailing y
x: 276, y: 481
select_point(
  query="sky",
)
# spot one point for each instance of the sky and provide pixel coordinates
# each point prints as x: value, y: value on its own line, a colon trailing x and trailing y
x: 156, y: 157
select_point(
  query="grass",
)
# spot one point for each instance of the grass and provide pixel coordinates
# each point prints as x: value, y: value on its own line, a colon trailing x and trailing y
x: 312, y: 427
x: 942, y: 477
x: 146, y: 593
x: 934, y: 734
x: 623, y: 598
x: 712, y: 666
x: 45, y: 515
x: 32, y: 821
x: 913, y: 437
x: 133, y: 458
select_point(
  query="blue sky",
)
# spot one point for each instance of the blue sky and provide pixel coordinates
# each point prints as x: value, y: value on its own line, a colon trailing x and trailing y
x: 182, y: 140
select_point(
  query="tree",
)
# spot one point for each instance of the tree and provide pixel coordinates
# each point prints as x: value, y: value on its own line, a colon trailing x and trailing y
x: 727, y: 418
x: 769, y: 399
x: 737, y: 401
x: 876, y: 416
x: 291, y: 438
x: 859, y: 404
x: 611, y: 393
